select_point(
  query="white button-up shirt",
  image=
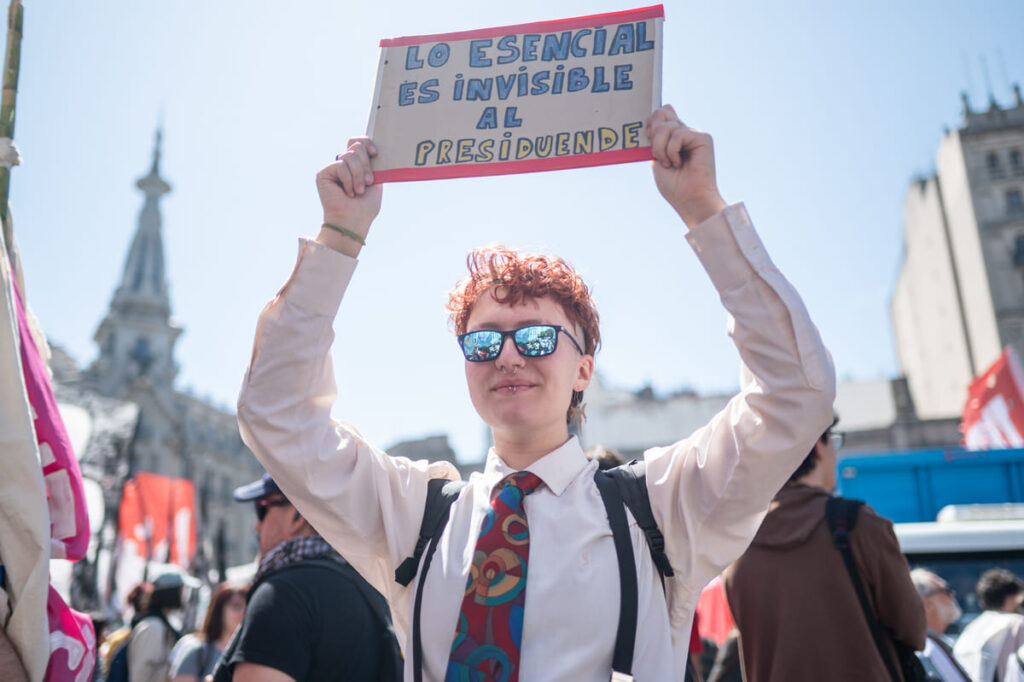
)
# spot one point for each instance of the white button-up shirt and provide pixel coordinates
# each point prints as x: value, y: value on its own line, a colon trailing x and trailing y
x: 708, y: 491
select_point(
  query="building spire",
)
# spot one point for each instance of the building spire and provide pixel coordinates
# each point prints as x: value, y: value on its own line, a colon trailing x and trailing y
x: 137, y: 336
x: 153, y: 185
x: 143, y: 287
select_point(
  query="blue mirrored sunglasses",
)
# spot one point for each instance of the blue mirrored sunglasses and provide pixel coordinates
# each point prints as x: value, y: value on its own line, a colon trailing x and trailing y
x: 534, y: 341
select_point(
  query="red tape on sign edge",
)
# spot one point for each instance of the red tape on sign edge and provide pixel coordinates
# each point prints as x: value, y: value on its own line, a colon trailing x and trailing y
x: 652, y: 12
x: 467, y: 170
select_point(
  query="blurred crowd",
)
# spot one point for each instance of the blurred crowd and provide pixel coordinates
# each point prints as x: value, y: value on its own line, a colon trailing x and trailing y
x: 809, y: 626
x: 150, y: 647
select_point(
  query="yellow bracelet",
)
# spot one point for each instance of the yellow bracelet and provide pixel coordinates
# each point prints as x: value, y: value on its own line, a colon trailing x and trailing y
x: 347, y: 232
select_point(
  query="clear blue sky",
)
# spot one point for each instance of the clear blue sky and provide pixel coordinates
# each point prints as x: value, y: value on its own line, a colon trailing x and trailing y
x: 822, y: 114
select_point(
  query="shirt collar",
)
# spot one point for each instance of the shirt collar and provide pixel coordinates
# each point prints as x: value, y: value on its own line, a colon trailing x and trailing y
x: 557, y: 469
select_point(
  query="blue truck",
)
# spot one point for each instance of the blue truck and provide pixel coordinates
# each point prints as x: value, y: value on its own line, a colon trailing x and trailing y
x: 913, y: 486
x: 984, y: 489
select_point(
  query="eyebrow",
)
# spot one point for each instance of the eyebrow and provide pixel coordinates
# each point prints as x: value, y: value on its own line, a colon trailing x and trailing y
x: 494, y: 326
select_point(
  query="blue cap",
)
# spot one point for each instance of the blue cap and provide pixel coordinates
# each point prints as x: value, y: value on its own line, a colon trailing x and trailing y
x: 256, y: 490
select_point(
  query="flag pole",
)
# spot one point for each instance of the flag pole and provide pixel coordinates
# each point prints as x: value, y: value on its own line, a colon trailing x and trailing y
x: 8, y: 99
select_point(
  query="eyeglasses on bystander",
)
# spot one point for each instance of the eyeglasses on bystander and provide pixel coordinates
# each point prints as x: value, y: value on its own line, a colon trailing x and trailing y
x: 264, y: 505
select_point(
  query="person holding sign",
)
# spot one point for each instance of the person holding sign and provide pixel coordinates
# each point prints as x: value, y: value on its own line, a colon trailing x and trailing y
x: 528, y: 330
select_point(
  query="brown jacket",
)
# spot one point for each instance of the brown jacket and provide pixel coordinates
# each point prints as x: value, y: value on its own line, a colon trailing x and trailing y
x: 794, y: 603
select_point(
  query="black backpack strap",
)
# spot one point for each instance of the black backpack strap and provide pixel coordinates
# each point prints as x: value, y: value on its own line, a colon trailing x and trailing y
x: 631, y: 480
x: 841, y: 517
x: 441, y: 494
x: 625, y: 637
x: 171, y: 630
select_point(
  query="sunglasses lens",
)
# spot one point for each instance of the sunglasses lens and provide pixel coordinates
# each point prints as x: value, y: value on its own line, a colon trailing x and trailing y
x: 261, y: 512
x: 536, y: 341
x: 481, y: 346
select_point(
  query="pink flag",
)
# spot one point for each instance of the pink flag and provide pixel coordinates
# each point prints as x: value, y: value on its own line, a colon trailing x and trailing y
x: 69, y: 519
x: 72, y: 639
x: 72, y: 642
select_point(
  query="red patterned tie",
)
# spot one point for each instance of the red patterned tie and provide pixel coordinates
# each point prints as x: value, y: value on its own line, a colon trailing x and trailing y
x: 490, y: 628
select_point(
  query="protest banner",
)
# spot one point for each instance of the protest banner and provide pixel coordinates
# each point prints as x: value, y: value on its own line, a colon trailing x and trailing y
x: 516, y: 99
x: 157, y: 520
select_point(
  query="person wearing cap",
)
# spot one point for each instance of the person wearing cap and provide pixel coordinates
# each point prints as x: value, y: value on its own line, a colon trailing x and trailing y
x: 309, y: 616
x: 793, y: 599
x: 153, y: 636
x: 524, y: 583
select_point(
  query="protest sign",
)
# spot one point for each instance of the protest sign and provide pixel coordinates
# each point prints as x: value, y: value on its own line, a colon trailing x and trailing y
x: 515, y: 99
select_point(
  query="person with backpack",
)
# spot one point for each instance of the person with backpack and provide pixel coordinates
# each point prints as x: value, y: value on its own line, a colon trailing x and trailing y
x: 153, y: 636
x: 823, y: 592
x: 309, y: 616
x: 527, y: 578
x: 114, y: 649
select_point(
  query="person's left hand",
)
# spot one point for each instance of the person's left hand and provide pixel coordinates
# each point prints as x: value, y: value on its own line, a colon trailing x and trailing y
x: 684, y: 167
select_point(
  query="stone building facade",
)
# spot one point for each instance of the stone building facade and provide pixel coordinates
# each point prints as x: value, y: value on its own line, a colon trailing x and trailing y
x: 959, y: 297
x: 165, y: 430
x: 877, y: 417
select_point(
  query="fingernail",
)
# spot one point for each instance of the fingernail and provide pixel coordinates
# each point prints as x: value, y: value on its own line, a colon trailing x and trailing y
x: 368, y: 177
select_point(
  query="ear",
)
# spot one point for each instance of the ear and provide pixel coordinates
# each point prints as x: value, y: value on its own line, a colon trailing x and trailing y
x: 297, y: 523
x: 584, y: 372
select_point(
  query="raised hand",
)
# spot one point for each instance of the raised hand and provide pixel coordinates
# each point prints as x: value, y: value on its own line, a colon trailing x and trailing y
x: 684, y: 167
x: 349, y: 196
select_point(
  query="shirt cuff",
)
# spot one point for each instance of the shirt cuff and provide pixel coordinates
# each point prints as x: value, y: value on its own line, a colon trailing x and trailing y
x: 319, y: 279
x: 729, y: 248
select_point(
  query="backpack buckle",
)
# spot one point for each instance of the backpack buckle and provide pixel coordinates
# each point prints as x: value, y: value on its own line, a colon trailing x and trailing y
x: 841, y: 538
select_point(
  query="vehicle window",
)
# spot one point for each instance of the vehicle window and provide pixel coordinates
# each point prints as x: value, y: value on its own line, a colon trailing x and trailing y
x: 962, y: 570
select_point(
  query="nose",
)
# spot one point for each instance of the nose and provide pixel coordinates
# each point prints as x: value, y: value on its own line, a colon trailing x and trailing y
x: 509, y: 359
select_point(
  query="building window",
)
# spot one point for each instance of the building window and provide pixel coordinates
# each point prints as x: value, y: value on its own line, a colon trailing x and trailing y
x: 1018, y: 251
x: 142, y: 354
x: 1016, y: 164
x: 1014, y: 202
x: 995, y: 171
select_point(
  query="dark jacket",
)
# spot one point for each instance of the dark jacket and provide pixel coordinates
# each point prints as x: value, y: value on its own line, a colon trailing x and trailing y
x: 795, y: 606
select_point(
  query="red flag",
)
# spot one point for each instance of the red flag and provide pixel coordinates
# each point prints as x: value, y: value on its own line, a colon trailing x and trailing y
x: 715, y: 617
x: 157, y: 519
x: 994, y: 413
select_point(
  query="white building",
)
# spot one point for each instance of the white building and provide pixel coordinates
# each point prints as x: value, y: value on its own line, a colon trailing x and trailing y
x: 959, y: 297
x: 876, y: 416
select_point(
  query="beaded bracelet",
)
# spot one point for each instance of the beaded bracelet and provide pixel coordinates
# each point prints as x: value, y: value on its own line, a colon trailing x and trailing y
x: 347, y: 232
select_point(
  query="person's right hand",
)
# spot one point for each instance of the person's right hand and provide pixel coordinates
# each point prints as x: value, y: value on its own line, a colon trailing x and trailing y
x: 347, y: 192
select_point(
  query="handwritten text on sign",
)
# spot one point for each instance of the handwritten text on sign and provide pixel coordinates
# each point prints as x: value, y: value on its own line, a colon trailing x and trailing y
x: 560, y: 94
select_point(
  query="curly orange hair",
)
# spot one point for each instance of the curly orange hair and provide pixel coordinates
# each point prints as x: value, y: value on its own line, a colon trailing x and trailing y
x: 511, y: 277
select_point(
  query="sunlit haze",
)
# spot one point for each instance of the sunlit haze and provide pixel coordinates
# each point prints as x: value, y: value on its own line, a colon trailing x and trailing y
x: 823, y: 113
